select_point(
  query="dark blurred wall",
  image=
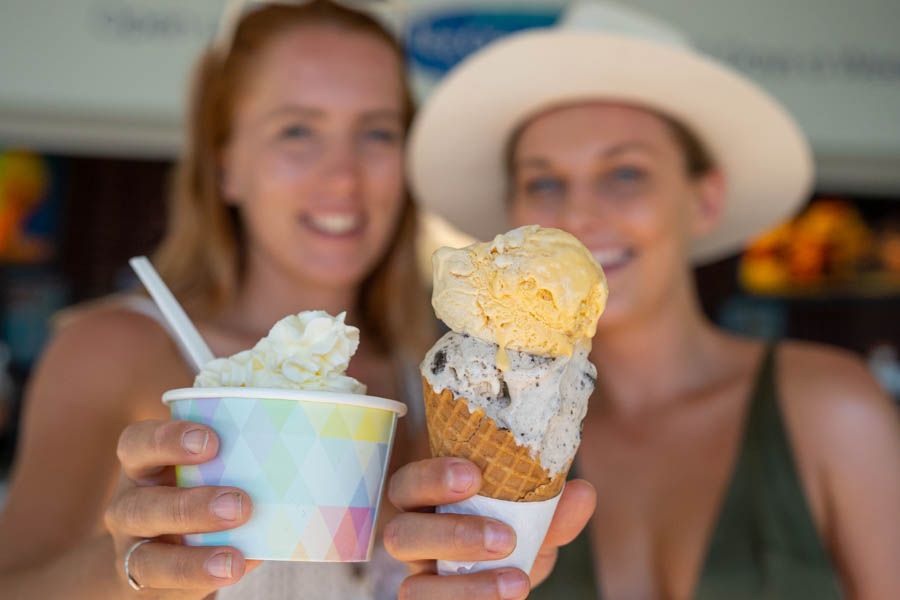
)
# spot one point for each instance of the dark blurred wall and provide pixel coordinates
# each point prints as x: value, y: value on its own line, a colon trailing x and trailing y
x: 115, y: 209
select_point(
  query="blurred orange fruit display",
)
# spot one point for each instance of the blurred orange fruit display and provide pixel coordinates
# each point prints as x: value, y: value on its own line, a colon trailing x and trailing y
x: 827, y: 247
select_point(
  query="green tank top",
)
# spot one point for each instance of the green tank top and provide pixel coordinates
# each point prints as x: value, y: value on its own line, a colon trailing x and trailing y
x: 764, y: 545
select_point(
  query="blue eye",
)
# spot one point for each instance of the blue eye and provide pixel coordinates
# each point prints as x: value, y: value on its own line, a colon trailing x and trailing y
x: 544, y: 186
x: 387, y: 136
x: 623, y: 181
x: 629, y: 175
x: 295, y: 132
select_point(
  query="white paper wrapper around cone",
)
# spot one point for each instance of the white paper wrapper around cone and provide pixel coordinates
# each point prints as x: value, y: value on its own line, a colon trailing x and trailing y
x: 530, y: 520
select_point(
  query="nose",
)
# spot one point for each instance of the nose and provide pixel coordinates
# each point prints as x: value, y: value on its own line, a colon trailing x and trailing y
x: 584, y: 211
x: 342, y: 170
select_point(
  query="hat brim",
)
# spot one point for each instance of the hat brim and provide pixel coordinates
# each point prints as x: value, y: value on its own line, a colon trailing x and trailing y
x: 457, y: 142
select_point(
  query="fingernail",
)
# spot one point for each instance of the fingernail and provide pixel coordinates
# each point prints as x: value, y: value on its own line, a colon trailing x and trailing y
x: 498, y: 538
x: 219, y: 565
x: 227, y: 506
x: 195, y: 440
x: 461, y: 478
x: 512, y: 584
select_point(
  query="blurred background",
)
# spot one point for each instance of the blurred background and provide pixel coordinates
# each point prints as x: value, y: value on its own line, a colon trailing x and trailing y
x: 90, y: 114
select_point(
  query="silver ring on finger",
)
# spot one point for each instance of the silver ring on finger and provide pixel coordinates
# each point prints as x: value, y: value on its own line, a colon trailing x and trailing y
x: 135, y: 585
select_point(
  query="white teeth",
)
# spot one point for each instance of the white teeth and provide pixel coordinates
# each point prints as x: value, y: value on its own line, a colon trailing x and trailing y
x: 612, y: 257
x: 335, y: 224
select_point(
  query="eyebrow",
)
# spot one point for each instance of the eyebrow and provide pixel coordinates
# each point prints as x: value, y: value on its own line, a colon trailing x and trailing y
x: 532, y: 161
x: 383, y: 113
x: 313, y: 113
x: 539, y: 162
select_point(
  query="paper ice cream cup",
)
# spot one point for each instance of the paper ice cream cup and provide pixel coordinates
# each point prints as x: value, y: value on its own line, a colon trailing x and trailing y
x: 530, y: 520
x: 314, y: 464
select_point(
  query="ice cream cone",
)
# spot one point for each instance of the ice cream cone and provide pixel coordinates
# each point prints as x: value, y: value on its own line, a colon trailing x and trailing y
x: 509, y: 471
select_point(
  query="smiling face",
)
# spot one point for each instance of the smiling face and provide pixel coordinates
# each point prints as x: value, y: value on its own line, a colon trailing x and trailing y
x: 617, y: 178
x: 315, y: 158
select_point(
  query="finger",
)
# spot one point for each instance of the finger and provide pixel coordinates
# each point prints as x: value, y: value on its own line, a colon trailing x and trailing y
x: 421, y: 536
x: 572, y: 513
x: 172, y: 566
x: 147, y: 447
x: 421, y: 566
x: 148, y: 512
x: 499, y: 584
x: 433, y: 481
x: 543, y: 565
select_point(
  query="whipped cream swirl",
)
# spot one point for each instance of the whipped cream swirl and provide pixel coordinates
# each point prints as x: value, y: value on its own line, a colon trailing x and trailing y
x: 307, y: 351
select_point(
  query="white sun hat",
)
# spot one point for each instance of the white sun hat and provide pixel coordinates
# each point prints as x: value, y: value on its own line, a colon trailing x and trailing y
x: 604, y: 51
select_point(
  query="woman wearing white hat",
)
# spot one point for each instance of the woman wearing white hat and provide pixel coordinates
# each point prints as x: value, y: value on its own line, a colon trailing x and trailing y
x: 725, y: 468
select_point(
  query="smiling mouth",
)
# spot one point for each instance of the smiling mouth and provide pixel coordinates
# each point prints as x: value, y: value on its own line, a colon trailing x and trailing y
x: 613, y: 259
x: 335, y: 225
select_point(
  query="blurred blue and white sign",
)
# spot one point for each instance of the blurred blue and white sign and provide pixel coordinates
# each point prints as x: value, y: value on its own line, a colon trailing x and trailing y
x: 438, y: 35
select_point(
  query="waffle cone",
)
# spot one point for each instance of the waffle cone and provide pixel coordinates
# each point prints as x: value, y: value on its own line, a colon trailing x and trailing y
x: 509, y: 472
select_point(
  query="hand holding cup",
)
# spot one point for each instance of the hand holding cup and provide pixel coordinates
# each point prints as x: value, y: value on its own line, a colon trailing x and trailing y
x: 147, y: 506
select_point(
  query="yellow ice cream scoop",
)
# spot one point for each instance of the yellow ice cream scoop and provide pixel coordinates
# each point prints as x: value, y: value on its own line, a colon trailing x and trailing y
x: 533, y: 289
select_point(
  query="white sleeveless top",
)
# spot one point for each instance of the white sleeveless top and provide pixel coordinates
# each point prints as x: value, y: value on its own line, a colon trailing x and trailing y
x: 378, y: 579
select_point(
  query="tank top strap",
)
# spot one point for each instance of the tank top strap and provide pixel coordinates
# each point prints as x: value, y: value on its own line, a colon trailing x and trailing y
x: 784, y: 510
x: 147, y: 307
x: 763, y: 423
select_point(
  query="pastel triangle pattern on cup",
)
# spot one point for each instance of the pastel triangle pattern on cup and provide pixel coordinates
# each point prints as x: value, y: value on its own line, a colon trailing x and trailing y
x: 281, y: 452
x: 363, y: 521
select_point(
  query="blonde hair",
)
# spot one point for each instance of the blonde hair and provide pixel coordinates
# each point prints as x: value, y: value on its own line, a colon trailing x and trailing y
x: 202, y: 255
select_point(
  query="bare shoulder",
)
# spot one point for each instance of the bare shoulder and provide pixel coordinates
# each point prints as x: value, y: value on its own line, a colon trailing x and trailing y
x: 102, y: 333
x: 843, y: 428
x: 832, y: 401
x: 102, y: 349
x: 108, y: 322
x: 823, y: 379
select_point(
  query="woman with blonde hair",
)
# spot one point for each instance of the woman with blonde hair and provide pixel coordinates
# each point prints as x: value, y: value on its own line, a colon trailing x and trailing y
x: 725, y: 467
x: 289, y: 196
